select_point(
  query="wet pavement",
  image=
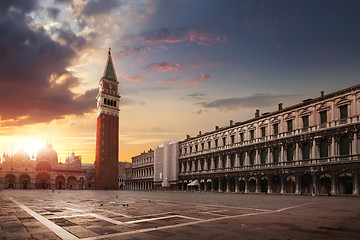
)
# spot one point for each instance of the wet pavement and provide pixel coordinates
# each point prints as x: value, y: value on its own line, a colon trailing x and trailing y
x: 66, y: 214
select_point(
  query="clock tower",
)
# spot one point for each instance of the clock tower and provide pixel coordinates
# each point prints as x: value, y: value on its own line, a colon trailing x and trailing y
x: 107, y: 130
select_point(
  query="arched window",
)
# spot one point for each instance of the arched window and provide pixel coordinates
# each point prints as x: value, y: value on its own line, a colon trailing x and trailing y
x: 306, y: 151
x: 114, y: 103
x: 290, y: 153
x: 104, y: 100
x: 111, y: 102
x: 108, y: 102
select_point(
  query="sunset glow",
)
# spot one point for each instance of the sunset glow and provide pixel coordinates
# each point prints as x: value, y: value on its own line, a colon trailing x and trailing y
x: 182, y: 66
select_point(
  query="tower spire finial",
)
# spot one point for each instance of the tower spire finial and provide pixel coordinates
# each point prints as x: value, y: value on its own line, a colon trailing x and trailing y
x: 109, y: 50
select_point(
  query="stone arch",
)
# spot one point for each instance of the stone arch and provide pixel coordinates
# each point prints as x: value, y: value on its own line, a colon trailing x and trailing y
x: 60, y: 182
x: 208, y: 184
x: 325, y: 183
x: 290, y: 184
x: 202, y: 185
x: 24, y: 181
x: 72, y: 183
x: 276, y: 184
x: 264, y: 184
x: 345, y: 183
x: 306, y: 183
x: 252, y: 184
x: 43, y: 166
x: 242, y: 184
x: 43, y: 181
x: 82, y: 184
x: 10, y: 181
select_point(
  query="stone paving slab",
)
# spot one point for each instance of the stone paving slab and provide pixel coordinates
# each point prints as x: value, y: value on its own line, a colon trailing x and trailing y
x: 175, y: 215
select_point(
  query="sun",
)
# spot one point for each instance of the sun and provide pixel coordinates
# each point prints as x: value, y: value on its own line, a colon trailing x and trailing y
x: 31, y: 147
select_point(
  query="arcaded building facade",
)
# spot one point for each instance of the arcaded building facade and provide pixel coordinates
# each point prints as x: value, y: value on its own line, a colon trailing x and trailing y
x: 44, y: 172
x: 140, y: 175
x: 308, y: 148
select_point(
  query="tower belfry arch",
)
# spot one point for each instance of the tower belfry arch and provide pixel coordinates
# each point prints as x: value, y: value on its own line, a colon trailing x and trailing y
x: 107, y: 129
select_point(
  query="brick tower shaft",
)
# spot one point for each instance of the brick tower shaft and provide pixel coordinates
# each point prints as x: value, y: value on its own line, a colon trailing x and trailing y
x: 107, y: 130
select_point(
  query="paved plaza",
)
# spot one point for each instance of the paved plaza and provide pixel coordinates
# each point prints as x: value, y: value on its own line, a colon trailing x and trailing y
x: 43, y: 214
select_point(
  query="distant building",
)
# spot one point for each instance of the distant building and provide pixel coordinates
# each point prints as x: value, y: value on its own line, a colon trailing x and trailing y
x: 89, y: 175
x: 166, y: 165
x: 309, y: 148
x: 122, y: 174
x: 20, y: 172
x: 140, y: 174
x: 107, y: 130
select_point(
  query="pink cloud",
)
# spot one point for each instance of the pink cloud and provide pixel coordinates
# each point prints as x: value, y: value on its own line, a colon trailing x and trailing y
x: 163, y: 67
x: 198, y: 80
x: 279, y: 46
x: 163, y: 82
x: 133, y: 78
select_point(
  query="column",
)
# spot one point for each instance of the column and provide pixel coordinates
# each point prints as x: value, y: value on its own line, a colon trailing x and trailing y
x: 227, y: 161
x: 282, y: 191
x: 187, y: 166
x: 212, y: 163
x: 332, y: 148
x: 269, y: 189
x: 356, y: 183
x: 228, y: 184
x: 219, y: 185
x: 297, y: 187
x: 282, y: 153
x: 314, y: 190
x: 206, y: 167
x: 205, y: 185
x: 193, y: 165
x: 182, y: 167
x: 247, y: 185
x: 257, y: 189
x: 313, y: 150
x: 297, y: 158
x: 199, y: 165
x: 220, y: 162
x: 236, y: 184
x: 355, y: 144
x: 237, y: 160
x: 268, y: 157
x: 212, y: 185
x: 257, y: 161
x: 246, y: 158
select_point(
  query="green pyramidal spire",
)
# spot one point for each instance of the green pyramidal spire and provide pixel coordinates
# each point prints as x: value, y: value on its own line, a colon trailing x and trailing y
x: 109, y: 72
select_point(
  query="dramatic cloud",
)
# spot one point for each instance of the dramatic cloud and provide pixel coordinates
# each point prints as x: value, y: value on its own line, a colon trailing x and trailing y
x: 53, y: 12
x: 71, y: 39
x: 35, y: 83
x: 254, y: 101
x: 198, y: 80
x: 163, y: 67
x: 99, y: 7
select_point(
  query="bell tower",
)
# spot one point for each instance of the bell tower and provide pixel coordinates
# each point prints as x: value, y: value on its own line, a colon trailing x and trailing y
x: 107, y: 129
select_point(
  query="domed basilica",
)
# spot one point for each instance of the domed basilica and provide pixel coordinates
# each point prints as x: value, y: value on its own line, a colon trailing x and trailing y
x: 45, y: 172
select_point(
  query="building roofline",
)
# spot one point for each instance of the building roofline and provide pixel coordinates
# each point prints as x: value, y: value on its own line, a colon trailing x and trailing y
x: 304, y: 103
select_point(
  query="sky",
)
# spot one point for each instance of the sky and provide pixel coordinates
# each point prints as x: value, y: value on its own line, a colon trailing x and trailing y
x: 182, y: 66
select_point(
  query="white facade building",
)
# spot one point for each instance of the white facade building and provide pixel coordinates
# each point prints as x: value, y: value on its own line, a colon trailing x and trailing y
x: 166, y: 162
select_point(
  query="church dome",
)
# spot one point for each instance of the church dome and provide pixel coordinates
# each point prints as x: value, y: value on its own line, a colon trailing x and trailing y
x: 47, y: 153
x: 21, y: 155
